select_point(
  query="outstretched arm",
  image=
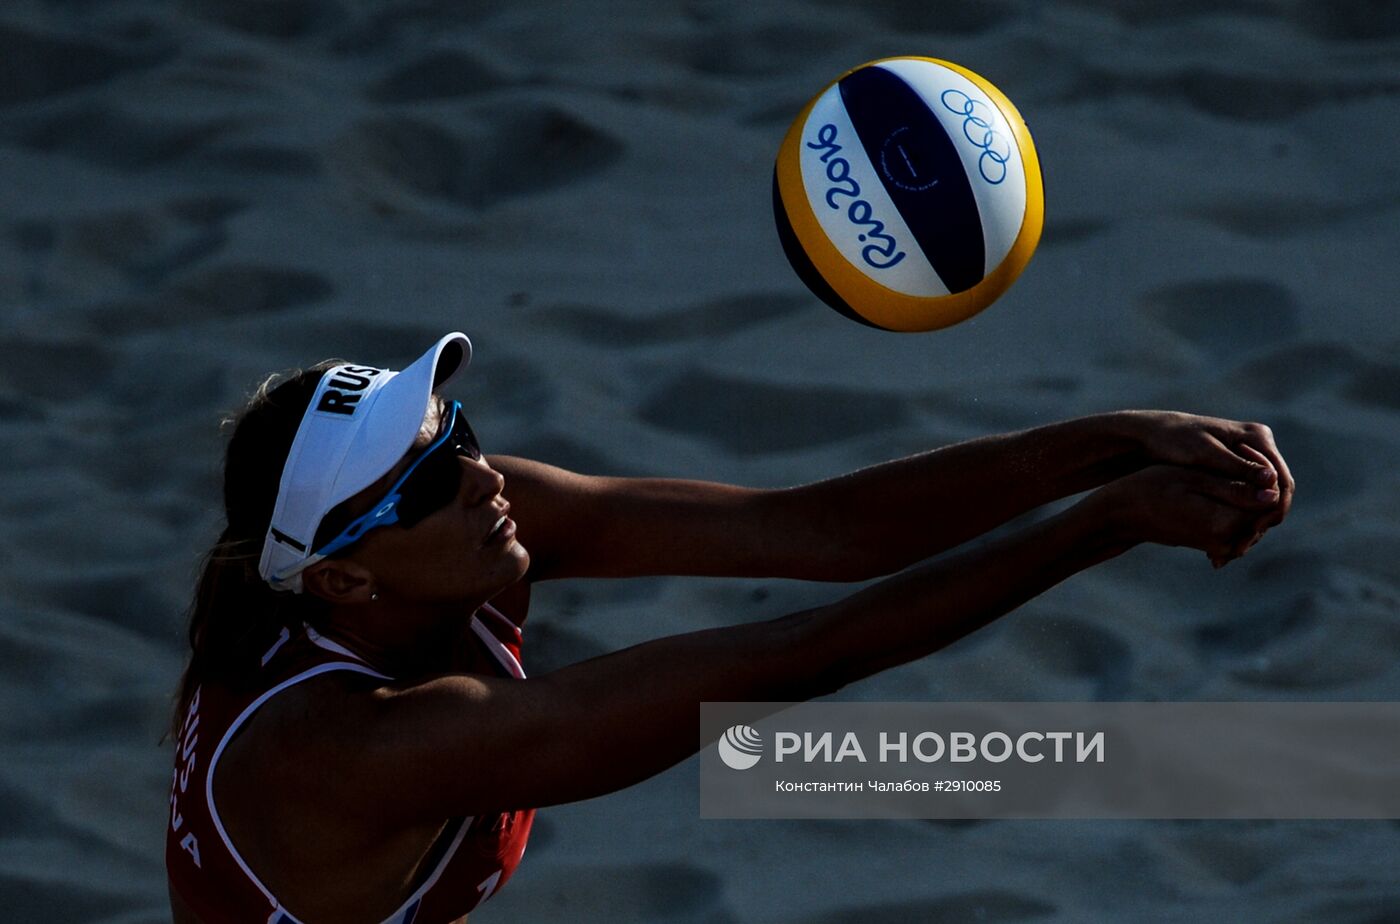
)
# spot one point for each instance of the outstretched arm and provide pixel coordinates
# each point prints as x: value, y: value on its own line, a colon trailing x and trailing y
x: 462, y: 744
x: 855, y: 526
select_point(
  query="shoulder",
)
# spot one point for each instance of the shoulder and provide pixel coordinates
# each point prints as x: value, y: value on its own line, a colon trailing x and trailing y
x: 301, y: 726
x: 364, y: 756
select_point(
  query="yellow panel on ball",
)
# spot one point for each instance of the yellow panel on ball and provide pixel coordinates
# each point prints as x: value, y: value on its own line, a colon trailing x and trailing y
x: 908, y: 194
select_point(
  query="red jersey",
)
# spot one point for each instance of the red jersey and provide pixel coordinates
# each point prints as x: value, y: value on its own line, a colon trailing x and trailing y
x: 472, y: 858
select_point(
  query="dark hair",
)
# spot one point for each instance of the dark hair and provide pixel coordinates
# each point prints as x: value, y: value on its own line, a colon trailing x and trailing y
x: 235, y: 616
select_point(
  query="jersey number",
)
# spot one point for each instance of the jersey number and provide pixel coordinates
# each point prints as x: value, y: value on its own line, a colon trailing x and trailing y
x: 488, y: 885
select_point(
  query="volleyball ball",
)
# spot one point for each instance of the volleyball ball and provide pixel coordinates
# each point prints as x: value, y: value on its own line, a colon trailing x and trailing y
x: 908, y: 195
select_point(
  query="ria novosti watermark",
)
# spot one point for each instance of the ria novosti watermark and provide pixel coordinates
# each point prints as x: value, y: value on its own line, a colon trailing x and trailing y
x: 1051, y: 760
x: 741, y: 747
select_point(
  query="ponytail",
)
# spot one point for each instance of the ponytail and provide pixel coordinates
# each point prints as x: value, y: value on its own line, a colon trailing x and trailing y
x: 235, y: 616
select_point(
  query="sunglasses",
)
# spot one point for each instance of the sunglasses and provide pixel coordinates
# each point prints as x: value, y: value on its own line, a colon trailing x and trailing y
x: 429, y: 485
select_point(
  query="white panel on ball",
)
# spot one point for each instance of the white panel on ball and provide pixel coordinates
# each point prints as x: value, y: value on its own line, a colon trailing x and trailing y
x: 911, y: 275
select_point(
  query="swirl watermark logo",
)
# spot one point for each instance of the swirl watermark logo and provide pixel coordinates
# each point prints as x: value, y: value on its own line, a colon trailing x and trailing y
x: 740, y: 747
x: 901, y: 170
x: 978, y: 119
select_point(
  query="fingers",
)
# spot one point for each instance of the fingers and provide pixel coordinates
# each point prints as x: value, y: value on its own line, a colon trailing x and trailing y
x: 1253, y: 529
x: 1280, y: 510
x: 1272, y: 456
x: 1252, y: 468
x: 1243, y: 494
x: 1263, y: 451
x: 1258, y: 457
x: 1237, y: 514
x: 1203, y: 509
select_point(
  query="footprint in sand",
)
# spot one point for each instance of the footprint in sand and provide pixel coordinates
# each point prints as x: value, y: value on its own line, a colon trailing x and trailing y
x: 37, y: 65
x: 1242, y: 95
x: 1313, y: 642
x: 1348, y: 20
x: 33, y: 899
x: 750, y: 418
x: 1266, y: 97
x: 1224, y: 316
x: 1067, y: 647
x: 229, y: 291
x: 1345, y: 20
x: 1233, y: 855
x: 441, y: 75
x: 1243, y: 636
x: 268, y: 158
x: 1377, y: 907
x: 141, y: 246
x: 501, y: 154
x: 274, y: 19
x: 771, y: 49
x: 984, y: 905
x: 147, y: 246
x: 1334, y: 661
x: 656, y: 892
x: 111, y: 137
x: 242, y: 290
x: 390, y: 28
x: 122, y: 596
x: 707, y: 320
x: 1059, y: 232
x: 1294, y: 370
x: 53, y: 369
x: 1375, y: 383
x: 962, y: 19
x: 1277, y: 217
x: 1150, y: 12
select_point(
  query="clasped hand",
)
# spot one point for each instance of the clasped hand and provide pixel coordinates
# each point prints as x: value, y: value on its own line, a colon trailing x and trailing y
x: 1210, y: 483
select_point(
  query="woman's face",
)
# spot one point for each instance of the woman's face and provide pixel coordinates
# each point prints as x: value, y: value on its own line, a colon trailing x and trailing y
x: 445, y: 557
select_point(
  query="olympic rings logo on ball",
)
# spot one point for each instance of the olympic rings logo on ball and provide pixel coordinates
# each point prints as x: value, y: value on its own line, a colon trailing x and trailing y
x: 990, y: 136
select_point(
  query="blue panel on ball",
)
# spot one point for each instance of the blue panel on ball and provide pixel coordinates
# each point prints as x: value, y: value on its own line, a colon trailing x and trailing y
x: 921, y: 170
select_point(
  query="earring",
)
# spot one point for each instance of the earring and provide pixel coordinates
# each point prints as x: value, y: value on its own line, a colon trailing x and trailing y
x: 373, y: 597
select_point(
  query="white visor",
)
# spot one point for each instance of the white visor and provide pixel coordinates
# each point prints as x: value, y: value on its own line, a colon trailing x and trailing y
x: 359, y: 424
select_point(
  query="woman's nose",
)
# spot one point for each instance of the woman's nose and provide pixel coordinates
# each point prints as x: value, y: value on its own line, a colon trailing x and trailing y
x: 481, y: 481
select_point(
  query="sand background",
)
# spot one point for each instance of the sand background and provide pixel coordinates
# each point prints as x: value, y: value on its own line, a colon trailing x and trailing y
x: 193, y: 194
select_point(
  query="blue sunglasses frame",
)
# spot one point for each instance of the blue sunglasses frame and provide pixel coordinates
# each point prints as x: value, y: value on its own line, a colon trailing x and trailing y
x: 386, y: 512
